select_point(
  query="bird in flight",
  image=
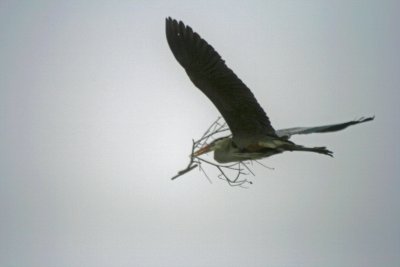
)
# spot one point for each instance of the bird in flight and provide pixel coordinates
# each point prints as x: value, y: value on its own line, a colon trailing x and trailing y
x: 253, y: 136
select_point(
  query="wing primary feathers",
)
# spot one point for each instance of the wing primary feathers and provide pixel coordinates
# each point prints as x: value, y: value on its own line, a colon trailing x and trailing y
x: 320, y: 129
x: 208, y: 71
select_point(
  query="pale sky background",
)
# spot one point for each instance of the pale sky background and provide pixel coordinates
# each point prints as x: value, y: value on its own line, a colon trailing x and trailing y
x: 96, y: 115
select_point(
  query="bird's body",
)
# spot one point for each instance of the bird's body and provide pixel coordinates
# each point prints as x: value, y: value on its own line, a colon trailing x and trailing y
x: 226, y: 150
x: 253, y: 136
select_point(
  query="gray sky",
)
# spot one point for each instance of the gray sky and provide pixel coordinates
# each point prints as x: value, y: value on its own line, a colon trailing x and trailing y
x: 96, y: 115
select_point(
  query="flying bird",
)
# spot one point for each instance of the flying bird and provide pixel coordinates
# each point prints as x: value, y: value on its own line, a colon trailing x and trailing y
x: 253, y: 136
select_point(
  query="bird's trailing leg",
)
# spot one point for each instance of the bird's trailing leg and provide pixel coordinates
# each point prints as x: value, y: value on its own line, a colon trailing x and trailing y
x: 320, y: 150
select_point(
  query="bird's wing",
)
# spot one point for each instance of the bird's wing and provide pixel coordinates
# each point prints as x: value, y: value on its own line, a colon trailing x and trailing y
x: 209, y: 73
x: 287, y: 133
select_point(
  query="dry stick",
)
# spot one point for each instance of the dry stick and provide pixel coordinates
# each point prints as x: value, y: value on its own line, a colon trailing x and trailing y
x: 239, y: 171
x: 182, y: 172
x: 230, y: 182
x: 247, y: 167
x: 202, y: 170
x: 215, y: 128
x: 265, y: 166
x: 190, y: 165
x: 220, y: 166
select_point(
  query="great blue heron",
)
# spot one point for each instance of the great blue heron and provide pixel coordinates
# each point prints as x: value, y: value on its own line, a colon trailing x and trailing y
x: 253, y: 136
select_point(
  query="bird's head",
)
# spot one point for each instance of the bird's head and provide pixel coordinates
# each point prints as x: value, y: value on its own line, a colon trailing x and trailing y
x: 217, y: 144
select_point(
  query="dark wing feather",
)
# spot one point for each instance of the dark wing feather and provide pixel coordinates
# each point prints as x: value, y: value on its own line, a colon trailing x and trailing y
x: 320, y: 129
x: 209, y: 73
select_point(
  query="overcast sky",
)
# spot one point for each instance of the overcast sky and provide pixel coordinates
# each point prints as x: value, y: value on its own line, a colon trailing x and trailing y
x: 96, y: 115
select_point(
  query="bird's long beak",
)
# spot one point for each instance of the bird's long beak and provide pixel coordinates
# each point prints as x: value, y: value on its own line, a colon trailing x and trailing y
x: 203, y: 150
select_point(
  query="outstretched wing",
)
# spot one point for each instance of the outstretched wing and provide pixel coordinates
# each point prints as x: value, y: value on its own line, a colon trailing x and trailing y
x: 209, y: 73
x: 320, y: 129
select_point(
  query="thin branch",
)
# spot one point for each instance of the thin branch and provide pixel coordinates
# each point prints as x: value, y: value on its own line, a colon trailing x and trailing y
x: 265, y: 166
x: 182, y: 172
x: 202, y: 170
x: 247, y: 167
x: 231, y: 173
x: 190, y: 166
